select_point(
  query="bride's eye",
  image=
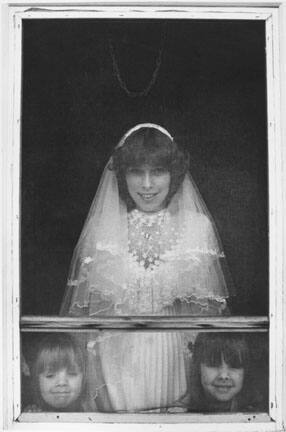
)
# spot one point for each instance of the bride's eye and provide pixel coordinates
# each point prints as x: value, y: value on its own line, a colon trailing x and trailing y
x: 134, y: 171
x: 159, y: 171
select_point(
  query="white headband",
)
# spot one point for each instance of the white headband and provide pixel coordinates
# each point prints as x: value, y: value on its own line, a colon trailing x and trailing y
x: 140, y: 126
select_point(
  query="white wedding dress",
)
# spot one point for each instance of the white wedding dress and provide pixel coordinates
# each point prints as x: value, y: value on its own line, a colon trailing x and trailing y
x: 165, y: 263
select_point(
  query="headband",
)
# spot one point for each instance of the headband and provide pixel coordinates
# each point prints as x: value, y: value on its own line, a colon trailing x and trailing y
x: 141, y: 126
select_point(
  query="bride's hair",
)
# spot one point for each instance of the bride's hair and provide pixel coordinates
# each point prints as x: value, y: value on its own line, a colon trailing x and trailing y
x: 151, y: 147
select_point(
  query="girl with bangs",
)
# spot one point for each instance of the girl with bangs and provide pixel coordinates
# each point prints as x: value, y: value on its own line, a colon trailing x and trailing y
x: 221, y: 379
x: 58, y: 375
x: 148, y: 247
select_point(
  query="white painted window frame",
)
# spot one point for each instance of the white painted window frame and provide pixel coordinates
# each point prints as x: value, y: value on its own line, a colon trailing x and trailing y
x: 12, y: 15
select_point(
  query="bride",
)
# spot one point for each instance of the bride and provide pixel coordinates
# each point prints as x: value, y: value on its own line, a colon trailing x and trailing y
x: 148, y: 247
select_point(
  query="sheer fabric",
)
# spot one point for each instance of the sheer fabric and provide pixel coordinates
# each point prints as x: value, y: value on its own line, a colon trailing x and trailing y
x: 134, y: 263
x: 109, y: 274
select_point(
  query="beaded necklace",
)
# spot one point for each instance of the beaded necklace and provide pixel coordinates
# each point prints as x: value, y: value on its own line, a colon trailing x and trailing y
x: 146, y: 236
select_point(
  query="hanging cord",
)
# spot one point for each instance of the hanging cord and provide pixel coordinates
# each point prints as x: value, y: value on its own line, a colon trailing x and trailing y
x: 153, y: 79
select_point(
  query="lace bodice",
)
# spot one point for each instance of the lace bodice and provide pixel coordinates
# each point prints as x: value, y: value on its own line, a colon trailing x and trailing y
x: 164, y: 262
x: 150, y: 236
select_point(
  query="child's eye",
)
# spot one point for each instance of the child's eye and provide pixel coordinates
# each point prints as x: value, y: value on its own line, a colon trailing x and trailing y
x: 212, y: 364
x: 234, y: 365
x: 49, y: 375
x: 235, y: 369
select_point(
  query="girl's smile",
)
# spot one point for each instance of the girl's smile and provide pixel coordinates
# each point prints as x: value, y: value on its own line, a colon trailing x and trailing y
x: 60, y: 388
x: 221, y: 382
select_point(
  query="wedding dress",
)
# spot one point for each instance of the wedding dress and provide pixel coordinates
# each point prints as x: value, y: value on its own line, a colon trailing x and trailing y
x: 166, y: 263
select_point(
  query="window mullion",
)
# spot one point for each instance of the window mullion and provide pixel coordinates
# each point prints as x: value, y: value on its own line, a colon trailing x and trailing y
x: 230, y: 323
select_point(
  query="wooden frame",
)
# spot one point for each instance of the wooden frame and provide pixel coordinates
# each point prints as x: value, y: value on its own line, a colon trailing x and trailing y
x: 33, y: 324
x: 273, y: 13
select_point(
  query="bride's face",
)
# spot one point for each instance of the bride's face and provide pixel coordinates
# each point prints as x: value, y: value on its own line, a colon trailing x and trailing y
x: 148, y: 186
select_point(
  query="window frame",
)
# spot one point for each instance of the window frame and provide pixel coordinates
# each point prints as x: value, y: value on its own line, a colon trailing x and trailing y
x: 12, y: 15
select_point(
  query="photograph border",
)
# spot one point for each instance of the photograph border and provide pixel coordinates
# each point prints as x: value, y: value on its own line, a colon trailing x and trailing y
x: 12, y: 16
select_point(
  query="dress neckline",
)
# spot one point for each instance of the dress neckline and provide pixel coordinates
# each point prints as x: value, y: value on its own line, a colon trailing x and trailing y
x: 149, y: 219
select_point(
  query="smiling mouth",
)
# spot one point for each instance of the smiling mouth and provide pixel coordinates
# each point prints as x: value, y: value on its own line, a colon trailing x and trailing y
x: 147, y: 196
x: 223, y: 388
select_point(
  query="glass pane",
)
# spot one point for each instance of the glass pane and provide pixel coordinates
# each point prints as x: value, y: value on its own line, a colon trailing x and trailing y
x: 145, y: 372
x: 209, y: 91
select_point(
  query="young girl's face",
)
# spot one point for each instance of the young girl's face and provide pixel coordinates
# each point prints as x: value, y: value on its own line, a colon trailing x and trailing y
x: 59, y: 389
x: 148, y: 186
x: 221, y: 382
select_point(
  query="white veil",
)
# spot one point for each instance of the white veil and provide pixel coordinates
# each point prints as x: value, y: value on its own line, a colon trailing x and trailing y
x: 193, y: 271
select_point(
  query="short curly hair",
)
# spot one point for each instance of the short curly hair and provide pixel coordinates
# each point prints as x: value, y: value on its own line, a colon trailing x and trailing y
x: 152, y: 147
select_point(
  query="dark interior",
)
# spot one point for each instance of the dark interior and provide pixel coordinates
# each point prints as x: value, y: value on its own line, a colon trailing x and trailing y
x: 210, y: 93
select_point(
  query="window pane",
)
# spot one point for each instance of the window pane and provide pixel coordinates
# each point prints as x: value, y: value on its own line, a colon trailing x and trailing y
x: 209, y: 92
x: 145, y: 372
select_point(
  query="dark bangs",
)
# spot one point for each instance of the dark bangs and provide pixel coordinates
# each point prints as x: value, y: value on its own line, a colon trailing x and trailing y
x: 148, y: 146
x: 211, y: 348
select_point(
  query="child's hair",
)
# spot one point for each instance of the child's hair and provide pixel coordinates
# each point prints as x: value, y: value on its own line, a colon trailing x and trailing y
x: 209, y: 349
x: 55, y: 352
x: 149, y: 146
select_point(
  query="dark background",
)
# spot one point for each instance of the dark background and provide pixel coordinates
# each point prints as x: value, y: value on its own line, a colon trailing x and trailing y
x: 210, y: 93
